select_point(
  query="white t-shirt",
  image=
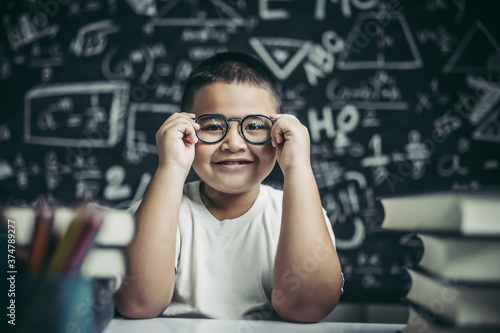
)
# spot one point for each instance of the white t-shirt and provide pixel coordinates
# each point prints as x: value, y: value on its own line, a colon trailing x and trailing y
x: 224, y: 269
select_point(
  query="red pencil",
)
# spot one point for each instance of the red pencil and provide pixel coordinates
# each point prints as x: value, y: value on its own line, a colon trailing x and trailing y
x: 40, y: 240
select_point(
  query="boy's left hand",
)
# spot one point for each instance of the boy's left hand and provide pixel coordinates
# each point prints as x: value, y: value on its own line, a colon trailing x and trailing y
x: 292, y: 143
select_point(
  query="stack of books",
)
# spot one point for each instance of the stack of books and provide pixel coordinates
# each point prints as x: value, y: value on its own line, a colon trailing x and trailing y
x: 87, y: 240
x: 456, y: 284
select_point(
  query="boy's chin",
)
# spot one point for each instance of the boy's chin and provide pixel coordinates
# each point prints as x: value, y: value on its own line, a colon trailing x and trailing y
x: 230, y: 188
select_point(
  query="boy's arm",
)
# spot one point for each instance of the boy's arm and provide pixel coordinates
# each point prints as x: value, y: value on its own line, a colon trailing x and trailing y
x: 148, y: 288
x: 307, y: 278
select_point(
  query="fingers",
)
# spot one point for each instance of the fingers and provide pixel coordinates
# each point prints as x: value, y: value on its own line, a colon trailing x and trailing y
x: 190, y: 130
x: 284, y: 128
x: 182, y: 125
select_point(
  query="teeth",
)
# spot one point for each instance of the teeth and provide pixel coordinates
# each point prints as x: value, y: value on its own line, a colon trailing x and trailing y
x: 233, y: 163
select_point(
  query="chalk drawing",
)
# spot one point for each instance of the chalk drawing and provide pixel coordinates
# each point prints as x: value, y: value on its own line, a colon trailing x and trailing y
x: 489, y: 98
x: 27, y: 31
x: 144, y: 7
x: 423, y: 103
x: 115, y: 189
x: 440, y: 37
x: 461, y: 8
x: 357, y: 237
x: 92, y: 39
x: 489, y: 129
x: 54, y: 170
x: 370, y: 266
x: 447, y: 124
x: 434, y: 5
x: 6, y: 170
x: 491, y: 165
x: 227, y: 16
x: 199, y: 53
x: 269, y: 14
x: 321, y: 57
x: 139, y: 193
x: 137, y: 63
x: 86, y: 189
x: 348, y: 204
x: 379, y: 92
x: 79, y: 8
x: 472, y: 185
x: 22, y: 175
x: 449, y: 164
x: 373, y: 49
x: 281, y: 55
x: 466, y: 59
x: 43, y: 56
x: 4, y: 133
x: 378, y: 159
x: 5, y: 69
x: 327, y: 173
x: 370, y: 119
x: 347, y: 266
x: 88, y: 177
x: 156, y: 113
x: 345, y: 7
x: 417, y: 153
x: 293, y: 99
x: 58, y: 100
x: 347, y: 121
x: 52, y: 173
x: 427, y: 99
x: 173, y: 91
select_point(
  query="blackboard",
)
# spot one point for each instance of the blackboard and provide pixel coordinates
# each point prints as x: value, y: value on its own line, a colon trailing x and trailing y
x: 399, y: 96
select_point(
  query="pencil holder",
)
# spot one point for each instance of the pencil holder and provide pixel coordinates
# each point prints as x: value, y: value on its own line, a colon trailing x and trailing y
x: 64, y: 304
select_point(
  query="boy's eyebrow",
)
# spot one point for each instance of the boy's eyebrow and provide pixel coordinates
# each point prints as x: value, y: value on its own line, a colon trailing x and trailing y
x: 231, y: 118
x: 221, y: 115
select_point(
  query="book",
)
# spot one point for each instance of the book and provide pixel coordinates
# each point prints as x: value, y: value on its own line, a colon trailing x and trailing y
x: 420, y: 321
x: 462, y: 258
x: 117, y: 227
x: 458, y: 304
x: 104, y: 263
x: 467, y: 214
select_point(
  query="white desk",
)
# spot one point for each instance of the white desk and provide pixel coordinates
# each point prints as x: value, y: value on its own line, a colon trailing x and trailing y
x: 184, y: 325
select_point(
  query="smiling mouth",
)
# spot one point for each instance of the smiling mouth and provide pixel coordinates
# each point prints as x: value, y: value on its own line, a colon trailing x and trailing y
x: 233, y: 162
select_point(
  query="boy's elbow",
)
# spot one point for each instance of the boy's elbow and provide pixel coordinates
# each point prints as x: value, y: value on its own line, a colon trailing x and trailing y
x: 139, y: 310
x: 304, y: 314
x: 306, y: 311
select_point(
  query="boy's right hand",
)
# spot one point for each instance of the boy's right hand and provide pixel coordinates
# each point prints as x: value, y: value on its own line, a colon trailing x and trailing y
x: 175, y: 141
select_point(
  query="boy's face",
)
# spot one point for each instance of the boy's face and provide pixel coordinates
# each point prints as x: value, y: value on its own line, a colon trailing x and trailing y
x: 233, y: 165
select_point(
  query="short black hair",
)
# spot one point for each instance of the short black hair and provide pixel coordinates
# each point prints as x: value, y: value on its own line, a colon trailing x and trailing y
x: 230, y: 67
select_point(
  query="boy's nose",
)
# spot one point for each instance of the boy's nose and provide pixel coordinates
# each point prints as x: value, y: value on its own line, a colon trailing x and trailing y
x: 233, y: 141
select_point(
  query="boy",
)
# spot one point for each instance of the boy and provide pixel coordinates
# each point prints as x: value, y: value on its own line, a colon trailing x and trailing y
x: 226, y: 246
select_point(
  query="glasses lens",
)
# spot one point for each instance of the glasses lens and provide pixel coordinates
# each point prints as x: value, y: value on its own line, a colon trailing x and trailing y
x: 257, y: 129
x: 212, y: 129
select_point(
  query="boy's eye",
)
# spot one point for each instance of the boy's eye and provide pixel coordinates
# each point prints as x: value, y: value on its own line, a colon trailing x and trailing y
x: 212, y: 128
x: 252, y: 127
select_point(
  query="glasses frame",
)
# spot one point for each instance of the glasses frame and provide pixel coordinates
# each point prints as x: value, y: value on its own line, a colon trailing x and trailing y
x: 240, y: 120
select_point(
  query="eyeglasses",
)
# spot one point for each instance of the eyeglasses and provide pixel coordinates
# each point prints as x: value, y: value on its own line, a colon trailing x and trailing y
x: 255, y: 129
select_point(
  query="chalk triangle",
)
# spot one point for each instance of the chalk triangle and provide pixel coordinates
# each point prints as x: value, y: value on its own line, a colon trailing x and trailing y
x: 489, y: 130
x: 281, y: 55
x: 477, y: 52
x: 209, y: 10
x: 370, y: 46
